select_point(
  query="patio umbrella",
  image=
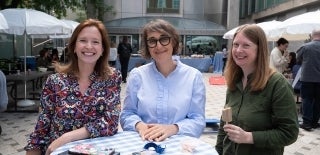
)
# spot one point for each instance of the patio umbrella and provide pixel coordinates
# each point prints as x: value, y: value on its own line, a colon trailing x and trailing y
x: 298, y: 27
x: 25, y: 22
x: 29, y: 21
x: 267, y: 27
x: 72, y: 24
x: 3, y: 24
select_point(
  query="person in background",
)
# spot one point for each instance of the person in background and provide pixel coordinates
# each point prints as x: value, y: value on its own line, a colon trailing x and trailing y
x: 43, y: 60
x: 3, y: 94
x: 225, y: 56
x: 292, y: 61
x: 81, y: 100
x: 309, y: 56
x: 152, y: 106
x: 264, y: 116
x: 124, y: 51
x: 113, y: 54
x: 198, y: 49
x: 278, y: 56
x: 54, y: 55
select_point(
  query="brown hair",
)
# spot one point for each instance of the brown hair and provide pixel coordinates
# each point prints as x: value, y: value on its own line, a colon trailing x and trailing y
x: 233, y: 73
x: 102, y: 66
x: 282, y: 41
x: 161, y: 26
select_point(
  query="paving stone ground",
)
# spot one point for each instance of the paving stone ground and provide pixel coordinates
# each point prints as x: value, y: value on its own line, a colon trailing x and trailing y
x: 17, y: 126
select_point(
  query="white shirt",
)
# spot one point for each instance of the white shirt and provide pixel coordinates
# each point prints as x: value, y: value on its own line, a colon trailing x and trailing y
x: 278, y: 61
x: 113, y: 54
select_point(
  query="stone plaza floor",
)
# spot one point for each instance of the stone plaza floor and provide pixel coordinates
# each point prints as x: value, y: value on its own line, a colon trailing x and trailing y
x: 17, y: 126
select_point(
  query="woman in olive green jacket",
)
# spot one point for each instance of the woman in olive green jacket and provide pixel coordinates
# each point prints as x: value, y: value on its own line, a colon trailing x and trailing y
x: 264, y: 116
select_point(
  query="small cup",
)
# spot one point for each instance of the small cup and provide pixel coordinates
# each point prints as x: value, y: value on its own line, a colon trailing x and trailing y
x: 18, y: 72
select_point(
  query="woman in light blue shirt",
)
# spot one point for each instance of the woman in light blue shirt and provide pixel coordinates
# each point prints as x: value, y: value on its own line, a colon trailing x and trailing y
x: 164, y: 97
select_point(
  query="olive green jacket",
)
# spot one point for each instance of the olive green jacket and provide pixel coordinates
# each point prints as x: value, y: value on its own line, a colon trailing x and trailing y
x: 270, y: 114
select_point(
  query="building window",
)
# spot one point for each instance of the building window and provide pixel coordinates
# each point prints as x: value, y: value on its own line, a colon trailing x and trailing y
x: 247, y: 7
x: 176, y: 4
x: 163, y: 6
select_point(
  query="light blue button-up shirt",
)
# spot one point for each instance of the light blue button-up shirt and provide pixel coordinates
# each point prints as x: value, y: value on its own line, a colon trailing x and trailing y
x: 177, y: 99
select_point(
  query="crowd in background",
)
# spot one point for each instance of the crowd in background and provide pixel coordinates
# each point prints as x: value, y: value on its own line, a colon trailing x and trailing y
x: 302, y: 69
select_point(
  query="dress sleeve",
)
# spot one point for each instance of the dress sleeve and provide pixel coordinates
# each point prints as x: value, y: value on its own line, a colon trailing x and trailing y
x: 40, y: 137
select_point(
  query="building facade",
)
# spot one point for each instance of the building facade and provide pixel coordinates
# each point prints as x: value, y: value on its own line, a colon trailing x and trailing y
x: 256, y: 11
x: 266, y: 10
x: 201, y: 23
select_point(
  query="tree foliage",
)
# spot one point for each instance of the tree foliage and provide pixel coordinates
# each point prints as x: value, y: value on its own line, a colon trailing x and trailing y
x: 59, y: 7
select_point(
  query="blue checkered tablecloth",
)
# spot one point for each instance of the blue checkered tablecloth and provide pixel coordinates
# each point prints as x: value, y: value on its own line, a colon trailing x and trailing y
x: 128, y: 142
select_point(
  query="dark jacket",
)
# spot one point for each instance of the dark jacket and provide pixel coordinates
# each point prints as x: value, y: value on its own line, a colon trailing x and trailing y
x: 309, y: 56
x: 124, y: 50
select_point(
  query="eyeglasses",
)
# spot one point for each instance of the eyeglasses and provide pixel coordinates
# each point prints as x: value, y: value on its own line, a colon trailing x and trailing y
x: 164, y: 41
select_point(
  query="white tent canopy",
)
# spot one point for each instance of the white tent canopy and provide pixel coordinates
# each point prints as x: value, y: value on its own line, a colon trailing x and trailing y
x: 267, y: 27
x: 3, y: 24
x: 298, y: 27
x: 72, y: 24
x: 33, y: 22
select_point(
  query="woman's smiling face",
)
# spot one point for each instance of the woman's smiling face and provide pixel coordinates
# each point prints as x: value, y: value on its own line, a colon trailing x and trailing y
x: 89, y: 45
x: 162, y: 49
x: 244, y: 52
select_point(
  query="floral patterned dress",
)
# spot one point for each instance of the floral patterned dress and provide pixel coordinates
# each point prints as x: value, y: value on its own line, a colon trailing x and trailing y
x: 64, y: 108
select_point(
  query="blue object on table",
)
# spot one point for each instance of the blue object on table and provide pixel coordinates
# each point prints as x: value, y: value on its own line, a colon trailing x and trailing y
x: 217, y: 63
x: 156, y: 147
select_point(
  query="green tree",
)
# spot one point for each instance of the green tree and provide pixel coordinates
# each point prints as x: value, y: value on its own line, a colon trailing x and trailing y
x: 97, y: 9
x: 59, y: 7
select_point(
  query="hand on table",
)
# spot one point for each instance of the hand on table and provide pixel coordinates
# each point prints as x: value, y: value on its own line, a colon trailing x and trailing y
x: 56, y: 144
x: 77, y: 134
x: 237, y: 134
x: 156, y: 132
